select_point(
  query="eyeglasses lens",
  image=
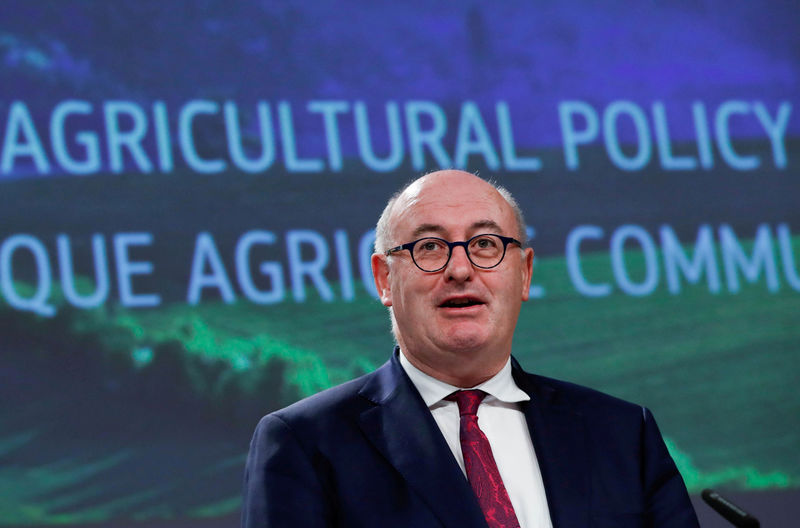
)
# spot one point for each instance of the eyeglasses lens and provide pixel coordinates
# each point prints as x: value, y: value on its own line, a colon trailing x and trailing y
x: 432, y: 254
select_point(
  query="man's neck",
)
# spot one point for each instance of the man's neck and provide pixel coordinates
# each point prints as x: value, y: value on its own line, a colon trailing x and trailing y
x: 459, y: 373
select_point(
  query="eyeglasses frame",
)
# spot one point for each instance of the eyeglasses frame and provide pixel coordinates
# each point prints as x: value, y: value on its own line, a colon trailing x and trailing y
x: 450, y: 245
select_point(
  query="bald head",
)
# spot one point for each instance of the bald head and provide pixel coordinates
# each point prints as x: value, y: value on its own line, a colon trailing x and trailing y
x: 455, y: 323
x: 439, y: 182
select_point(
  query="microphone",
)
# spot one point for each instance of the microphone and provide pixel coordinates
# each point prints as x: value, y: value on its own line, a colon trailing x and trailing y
x: 729, y: 510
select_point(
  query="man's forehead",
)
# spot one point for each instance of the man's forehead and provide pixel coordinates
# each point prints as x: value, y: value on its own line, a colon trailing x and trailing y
x: 449, y: 189
x: 483, y: 226
x: 440, y: 208
x: 444, y: 184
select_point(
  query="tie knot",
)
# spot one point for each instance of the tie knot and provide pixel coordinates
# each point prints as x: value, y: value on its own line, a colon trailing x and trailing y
x: 467, y: 400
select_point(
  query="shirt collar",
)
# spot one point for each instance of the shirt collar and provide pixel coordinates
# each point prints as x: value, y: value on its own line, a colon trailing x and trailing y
x: 502, y: 385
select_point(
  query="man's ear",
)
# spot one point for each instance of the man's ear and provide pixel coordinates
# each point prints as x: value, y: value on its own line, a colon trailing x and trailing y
x: 527, y: 272
x: 380, y: 272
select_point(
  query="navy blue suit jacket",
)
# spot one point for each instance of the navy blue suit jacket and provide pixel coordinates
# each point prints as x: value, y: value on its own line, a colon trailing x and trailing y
x: 369, y: 454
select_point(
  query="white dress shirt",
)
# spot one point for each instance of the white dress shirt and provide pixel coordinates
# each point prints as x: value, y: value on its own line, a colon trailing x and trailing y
x: 504, y: 425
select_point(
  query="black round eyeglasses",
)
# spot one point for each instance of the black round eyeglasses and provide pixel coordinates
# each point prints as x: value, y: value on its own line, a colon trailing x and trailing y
x: 431, y: 254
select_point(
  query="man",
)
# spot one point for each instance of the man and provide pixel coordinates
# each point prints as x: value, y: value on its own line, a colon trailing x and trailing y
x: 405, y: 447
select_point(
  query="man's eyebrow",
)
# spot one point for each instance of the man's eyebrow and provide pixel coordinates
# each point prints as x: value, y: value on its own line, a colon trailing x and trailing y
x: 428, y: 228
x: 489, y: 225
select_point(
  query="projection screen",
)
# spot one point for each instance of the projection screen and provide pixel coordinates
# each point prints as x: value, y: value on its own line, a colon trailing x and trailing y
x: 189, y: 192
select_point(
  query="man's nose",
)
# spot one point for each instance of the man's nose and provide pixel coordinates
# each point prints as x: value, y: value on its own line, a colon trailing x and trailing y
x: 459, y: 268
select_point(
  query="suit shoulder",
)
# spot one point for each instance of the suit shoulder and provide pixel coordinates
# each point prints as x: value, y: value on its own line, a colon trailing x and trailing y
x: 580, y: 397
x: 335, y: 401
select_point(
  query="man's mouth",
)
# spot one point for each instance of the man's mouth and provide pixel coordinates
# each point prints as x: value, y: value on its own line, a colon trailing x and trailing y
x: 461, y: 302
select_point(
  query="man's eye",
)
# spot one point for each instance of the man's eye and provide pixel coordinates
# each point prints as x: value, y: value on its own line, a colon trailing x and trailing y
x: 484, y: 243
x: 430, y: 246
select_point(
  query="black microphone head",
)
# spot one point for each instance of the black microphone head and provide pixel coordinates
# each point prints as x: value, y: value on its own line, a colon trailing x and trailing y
x: 733, y: 513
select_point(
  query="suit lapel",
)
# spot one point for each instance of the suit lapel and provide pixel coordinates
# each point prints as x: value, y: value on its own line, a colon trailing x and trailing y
x: 401, y: 427
x: 560, y: 441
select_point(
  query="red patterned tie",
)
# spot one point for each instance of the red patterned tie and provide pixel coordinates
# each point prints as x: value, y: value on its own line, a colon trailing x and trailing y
x: 480, y: 465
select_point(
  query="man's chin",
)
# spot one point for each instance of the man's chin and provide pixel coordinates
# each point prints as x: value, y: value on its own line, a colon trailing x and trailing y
x: 465, y: 337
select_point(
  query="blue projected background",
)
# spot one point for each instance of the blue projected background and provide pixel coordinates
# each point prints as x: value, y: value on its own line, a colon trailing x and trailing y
x: 188, y: 192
